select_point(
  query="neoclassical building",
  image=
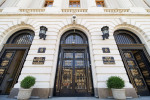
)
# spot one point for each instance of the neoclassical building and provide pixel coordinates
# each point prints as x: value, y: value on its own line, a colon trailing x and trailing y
x: 75, y: 57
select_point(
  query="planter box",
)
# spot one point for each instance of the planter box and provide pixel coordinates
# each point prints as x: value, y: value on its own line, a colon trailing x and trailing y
x: 119, y: 94
x: 24, y: 94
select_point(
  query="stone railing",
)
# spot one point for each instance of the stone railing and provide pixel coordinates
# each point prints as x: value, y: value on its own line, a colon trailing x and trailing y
x: 116, y: 10
x: 32, y: 10
x: 71, y: 10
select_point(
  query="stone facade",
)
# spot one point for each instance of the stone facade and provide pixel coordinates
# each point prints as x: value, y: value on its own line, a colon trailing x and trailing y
x: 130, y: 15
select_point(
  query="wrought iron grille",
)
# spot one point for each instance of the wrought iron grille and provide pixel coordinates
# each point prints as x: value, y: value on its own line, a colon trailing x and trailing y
x: 126, y: 37
x: 21, y: 37
x: 74, y: 39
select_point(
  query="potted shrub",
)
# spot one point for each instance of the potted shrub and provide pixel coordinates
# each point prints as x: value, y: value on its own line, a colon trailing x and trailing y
x: 116, y: 84
x: 26, y: 90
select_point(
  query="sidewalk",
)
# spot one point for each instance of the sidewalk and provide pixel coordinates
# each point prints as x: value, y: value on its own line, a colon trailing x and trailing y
x: 4, y: 97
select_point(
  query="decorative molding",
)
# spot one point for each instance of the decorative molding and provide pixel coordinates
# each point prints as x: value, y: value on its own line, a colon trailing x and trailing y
x: 32, y: 10
x: 107, y: 10
x: 71, y: 10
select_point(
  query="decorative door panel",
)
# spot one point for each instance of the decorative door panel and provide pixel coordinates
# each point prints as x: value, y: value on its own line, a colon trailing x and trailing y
x: 72, y: 73
x: 144, y: 66
x: 136, y: 69
x: 9, y: 69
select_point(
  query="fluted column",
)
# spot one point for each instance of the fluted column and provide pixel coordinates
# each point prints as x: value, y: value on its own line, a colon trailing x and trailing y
x: 124, y: 3
x: 91, y: 3
x: 58, y: 3
x: 2, y: 1
x: 147, y: 2
x: 65, y: 4
x: 84, y: 3
x: 24, y: 3
x: 9, y: 3
x: 118, y: 3
x: 37, y: 4
x: 139, y: 3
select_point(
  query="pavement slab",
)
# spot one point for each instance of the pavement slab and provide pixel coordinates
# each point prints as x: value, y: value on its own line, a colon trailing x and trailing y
x: 5, y: 97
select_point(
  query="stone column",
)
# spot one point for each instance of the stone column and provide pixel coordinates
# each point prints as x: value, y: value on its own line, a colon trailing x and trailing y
x: 24, y: 3
x: 65, y: 4
x: 139, y: 3
x: 2, y: 1
x: 84, y: 4
x: 58, y: 3
x: 147, y: 2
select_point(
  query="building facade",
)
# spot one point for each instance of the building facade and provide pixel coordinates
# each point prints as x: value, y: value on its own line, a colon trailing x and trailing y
x: 73, y: 59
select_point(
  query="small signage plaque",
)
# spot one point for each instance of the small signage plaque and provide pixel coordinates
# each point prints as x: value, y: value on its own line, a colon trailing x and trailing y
x: 41, y: 50
x: 106, y: 50
x: 108, y: 60
x: 38, y: 60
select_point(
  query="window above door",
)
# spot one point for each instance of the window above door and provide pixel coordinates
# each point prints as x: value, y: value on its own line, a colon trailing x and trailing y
x: 74, y: 3
x: 48, y: 3
x: 100, y: 3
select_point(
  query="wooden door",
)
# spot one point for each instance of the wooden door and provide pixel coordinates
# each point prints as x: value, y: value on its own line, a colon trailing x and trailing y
x: 138, y: 69
x: 11, y: 63
x: 74, y: 78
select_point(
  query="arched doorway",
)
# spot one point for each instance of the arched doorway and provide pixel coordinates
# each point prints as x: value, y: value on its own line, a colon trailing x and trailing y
x: 73, y: 77
x: 12, y: 58
x: 136, y: 60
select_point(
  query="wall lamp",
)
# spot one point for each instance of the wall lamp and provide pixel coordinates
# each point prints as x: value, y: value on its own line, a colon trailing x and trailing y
x: 42, y: 33
x: 105, y: 31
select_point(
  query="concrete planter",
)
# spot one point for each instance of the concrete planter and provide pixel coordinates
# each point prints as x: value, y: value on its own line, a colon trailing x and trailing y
x: 24, y: 94
x: 119, y: 94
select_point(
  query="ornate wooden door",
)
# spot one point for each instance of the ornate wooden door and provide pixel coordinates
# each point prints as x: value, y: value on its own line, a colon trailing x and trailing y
x: 136, y: 60
x: 73, y: 76
x: 10, y: 66
x: 138, y: 69
x: 12, y: 58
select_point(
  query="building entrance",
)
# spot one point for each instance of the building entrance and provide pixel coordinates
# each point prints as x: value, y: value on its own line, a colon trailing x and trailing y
x: 12, y: 59
x: 136, y: 61
x: 138, y: 68
x: 74, y: 71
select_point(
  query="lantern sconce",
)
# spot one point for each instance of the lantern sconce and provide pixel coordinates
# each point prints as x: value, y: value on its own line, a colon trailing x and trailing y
x: 42, y: 33
x: 105, y: 31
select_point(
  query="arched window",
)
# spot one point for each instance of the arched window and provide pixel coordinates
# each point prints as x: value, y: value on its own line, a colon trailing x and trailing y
x: 126, y: 37
x: 74, y: 37
x: 21, y: 37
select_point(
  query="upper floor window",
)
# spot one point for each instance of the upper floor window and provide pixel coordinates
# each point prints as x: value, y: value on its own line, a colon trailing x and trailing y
x: 100, y: 3
x: 74, y: 3
x: 48, y: 3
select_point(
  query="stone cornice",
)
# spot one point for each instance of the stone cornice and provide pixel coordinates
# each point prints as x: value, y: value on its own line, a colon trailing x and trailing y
x: 71, y: 11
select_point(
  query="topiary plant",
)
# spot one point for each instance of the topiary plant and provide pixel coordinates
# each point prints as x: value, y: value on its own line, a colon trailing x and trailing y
x: 28, y: 82
x: 115, y: 82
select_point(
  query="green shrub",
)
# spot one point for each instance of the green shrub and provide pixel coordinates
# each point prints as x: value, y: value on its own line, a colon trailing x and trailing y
x: 115, y: 82
x: 27, y: 82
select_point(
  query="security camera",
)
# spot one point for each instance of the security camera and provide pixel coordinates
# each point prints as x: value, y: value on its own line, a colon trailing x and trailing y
x: 74, y: 17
